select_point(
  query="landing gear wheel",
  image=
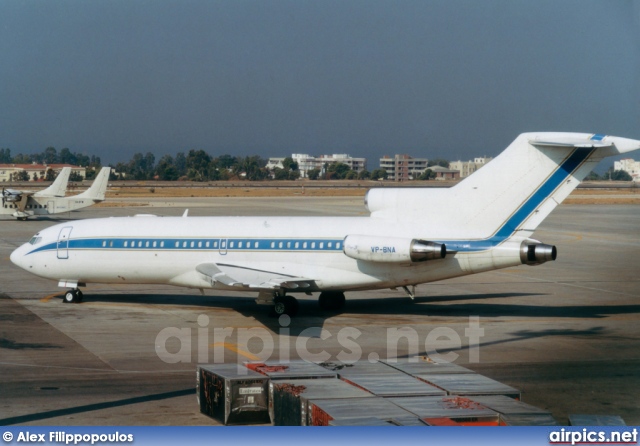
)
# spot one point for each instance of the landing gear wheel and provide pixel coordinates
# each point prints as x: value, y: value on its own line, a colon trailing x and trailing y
x: 284, y: 305
x: 72, y: 297
x: 331, y: 300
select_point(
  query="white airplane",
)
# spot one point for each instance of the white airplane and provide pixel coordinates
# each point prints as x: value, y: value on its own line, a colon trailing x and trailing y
x: 52, y: 200
x: 18, y: 199
x: 413, y: 235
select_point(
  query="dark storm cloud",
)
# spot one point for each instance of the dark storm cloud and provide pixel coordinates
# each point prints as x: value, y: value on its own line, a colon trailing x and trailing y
x: 451, y: 79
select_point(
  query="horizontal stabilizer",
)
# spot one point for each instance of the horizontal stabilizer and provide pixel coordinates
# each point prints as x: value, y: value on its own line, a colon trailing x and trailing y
x: 576, y: 144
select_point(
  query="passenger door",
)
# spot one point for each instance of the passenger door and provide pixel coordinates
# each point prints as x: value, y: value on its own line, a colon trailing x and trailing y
x: 63, y: 242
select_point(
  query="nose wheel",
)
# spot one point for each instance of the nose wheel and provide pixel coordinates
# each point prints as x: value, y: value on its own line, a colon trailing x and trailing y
x: 72, y: 297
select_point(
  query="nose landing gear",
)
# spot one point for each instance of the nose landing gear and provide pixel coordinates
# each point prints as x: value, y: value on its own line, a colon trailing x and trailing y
x: 73, y: 296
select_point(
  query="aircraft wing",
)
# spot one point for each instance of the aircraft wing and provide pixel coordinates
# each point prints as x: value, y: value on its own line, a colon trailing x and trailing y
x: 260, y: 280
x: 24, y: 198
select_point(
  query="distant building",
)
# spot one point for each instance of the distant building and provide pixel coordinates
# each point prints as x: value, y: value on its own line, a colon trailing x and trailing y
x: 442, y: 173
x: 466, y: 168
x: 274, y: 163
x: 36, y: 171
x: 307, y: 162
x: 356, y: 164
x: 403, y: 167
x: 630, y: 166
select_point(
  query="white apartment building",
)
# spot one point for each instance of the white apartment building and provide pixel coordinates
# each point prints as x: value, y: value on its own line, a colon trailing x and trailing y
x: 403, y: 167
x: 630, y: 166
x: 466, y: 168
x: 307, y: 162
x: 356, y: 164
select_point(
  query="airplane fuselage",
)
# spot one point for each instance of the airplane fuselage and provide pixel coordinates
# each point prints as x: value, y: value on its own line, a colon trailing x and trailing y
x: 167, y: 250
x: 46, y: 205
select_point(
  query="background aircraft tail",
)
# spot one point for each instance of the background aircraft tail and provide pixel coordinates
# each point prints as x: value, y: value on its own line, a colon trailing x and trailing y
x: 97, y: 190
x: 510, y: 195
x: 59, y: 187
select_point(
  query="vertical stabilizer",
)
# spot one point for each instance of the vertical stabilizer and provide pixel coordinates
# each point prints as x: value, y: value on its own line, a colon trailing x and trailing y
x: 511, y: 194
x: 97, y: 190
x: 59, y: 187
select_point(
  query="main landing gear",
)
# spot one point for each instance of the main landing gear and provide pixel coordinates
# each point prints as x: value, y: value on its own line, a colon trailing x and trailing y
x: 285, y: 305
x: 281, y: 304
x: 331, y: 300
x: 73, y: 296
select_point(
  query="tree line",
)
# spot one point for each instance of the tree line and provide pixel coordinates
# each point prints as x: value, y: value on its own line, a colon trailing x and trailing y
x: 198, y: 165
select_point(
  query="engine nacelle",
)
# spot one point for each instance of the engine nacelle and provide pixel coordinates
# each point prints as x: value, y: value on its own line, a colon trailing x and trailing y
x: 535, y: 253
x: 392, y: 249
x: 11, y: 196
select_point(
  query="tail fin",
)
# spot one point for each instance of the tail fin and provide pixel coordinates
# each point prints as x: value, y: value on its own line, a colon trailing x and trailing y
x: 512, y: 194
x: 99, y: 187
x: 59, y: 187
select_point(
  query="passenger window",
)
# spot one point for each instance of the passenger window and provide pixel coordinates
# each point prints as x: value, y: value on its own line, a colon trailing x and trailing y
x: 177, y: 244
x: 231, y: 244
x: 330, y: 244
x: 162, y: 244
x: 215, y: 244
x: 313, y: 245
x: 304, y: 245
x: 184, y: 244
x: 146, y: 244
x: 338, y: 245
x: 126, y: 244
x: 140, y: 244
x: 255, y: 245
x: 239, y: 244
x: 321, y: 245
x: 155, y: 243
x: 207, y: 244
x: 273, y: 244
x: 104, y: 244
x: 111, y: 244
x: 288, y: 244
x: 297, y: 245
x: 280, y: 245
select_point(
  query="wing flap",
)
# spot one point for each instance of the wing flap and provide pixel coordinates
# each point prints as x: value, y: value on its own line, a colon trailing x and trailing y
x: 216, y: 275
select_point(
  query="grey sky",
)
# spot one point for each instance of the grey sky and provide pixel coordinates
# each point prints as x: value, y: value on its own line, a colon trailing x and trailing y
x: 452, y: 79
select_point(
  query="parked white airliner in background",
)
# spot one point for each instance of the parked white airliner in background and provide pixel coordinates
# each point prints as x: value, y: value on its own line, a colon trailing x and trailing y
x: 413, y: 235
x: 52, y: 200
x: 15, y: 202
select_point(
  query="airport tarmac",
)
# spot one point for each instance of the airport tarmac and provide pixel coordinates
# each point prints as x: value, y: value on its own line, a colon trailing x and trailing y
x: 567, y: 333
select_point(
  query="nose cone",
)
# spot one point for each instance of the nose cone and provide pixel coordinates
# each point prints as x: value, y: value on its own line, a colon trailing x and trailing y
x: 17, y: 256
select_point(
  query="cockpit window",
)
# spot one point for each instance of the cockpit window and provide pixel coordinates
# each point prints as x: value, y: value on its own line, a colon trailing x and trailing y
x: 35, y: 240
